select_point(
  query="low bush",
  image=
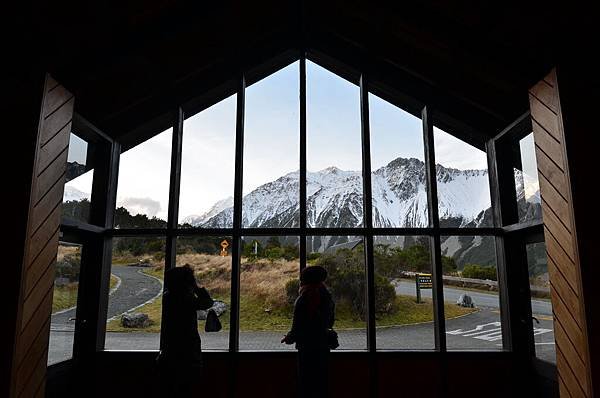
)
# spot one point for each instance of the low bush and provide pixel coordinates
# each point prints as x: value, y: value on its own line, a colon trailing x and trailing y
x: 476, y: 271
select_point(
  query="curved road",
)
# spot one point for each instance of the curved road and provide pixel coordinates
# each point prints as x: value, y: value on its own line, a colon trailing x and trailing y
x: 480, y: 299
x: 136, y: 289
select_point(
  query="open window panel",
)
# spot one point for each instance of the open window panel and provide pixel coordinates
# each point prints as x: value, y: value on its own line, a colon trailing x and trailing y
x: 527, y: 181
x: 471, y: 293
x: 462, y: 183
x: 134, y: 312
x: 79, y: 176
x: 64, y: 301
x: 209, y: 257
x: 269, y: 270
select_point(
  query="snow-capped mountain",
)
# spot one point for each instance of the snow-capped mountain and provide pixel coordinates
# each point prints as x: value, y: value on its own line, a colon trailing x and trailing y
x: 334, y: 199
x: 214, y: 210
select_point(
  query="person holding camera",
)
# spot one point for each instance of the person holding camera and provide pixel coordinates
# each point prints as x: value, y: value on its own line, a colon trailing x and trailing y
x: 180, y: 357
x: 314, y: 315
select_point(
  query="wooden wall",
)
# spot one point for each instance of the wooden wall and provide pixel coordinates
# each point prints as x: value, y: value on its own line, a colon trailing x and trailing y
x: 37, y: 276
x: 572, y: 354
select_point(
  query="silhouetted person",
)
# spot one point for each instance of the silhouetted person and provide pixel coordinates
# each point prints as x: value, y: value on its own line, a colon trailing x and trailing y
x: 180, y: 358
x: 314, y: 314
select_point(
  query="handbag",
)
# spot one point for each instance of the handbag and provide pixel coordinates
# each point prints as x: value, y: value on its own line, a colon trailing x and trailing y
x: 213, y: 324
x: 332, y: 339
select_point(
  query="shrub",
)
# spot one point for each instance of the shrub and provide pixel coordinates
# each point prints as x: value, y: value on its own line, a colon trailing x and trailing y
x: 291, y: 290
x: 476, y: 271
x: 347, y: 279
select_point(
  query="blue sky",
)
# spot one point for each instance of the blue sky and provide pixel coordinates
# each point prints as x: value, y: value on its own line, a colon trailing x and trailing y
x: 272, y: 142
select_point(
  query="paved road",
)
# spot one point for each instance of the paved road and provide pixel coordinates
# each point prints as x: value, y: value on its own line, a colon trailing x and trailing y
x: 480, y: 331
x: 135, y: 289
x: 481, y: 300
x: 476, y: 331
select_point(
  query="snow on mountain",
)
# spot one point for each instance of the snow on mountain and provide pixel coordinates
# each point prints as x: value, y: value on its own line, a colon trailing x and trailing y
x: 214, y: 210
x: 334, y: 198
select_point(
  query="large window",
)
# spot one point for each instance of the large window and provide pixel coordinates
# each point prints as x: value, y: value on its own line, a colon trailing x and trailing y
x: 282, y: 184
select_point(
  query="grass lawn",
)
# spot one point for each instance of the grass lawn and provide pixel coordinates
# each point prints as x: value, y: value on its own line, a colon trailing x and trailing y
x: 254, y: 318
x: 66, y: 296
x: 263, y: 289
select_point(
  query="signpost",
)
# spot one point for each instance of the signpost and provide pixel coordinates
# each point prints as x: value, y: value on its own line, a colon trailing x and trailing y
x: 423, y: 281
x: 224, y: 246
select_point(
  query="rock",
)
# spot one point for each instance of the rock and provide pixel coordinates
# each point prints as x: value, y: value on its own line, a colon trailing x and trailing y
x: 465, y: 301
x: 219, y: 307
x: 136, y: 320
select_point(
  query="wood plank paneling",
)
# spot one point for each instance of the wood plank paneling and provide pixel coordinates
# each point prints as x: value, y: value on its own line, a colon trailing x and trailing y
x: 47, y: 187
x: 572, y: 350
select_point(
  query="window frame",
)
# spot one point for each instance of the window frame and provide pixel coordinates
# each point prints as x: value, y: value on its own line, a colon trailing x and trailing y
x: 96, y: 291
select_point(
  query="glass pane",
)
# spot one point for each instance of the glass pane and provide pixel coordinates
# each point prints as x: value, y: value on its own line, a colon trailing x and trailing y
x: 403, y: 303
x: 207, y: 167
x: 541, y: 306
x: 64, y: 302
x: 268, y: 284
x: 134, y: 302
x: 527, y: 182
x: 397, y: 161
x: 343, y: 258
x: 143, y: 188
x: 78, y: 181
x: 271, y: 151
x: 471, y: 293
x: 462, y: 183
x: 210, y: 258
x: 333, y: 150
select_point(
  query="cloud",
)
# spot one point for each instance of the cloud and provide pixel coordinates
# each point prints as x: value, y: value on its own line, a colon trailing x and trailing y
x: 146, y: 206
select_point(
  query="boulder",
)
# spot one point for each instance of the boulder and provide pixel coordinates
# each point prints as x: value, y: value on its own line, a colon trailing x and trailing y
x: 219, y: 307
x: 136, y: 320
x: 465, y: 301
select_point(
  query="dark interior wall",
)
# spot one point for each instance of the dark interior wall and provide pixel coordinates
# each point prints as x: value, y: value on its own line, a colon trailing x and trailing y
x: 25, y: 91
x: 264, y: 374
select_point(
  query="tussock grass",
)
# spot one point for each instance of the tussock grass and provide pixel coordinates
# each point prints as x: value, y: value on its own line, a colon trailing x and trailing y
x: 263, y: 301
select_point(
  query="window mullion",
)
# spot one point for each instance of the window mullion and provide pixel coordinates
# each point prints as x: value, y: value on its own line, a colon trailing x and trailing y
x: 175, y: 185
x: 237, y: 217
x: 435, y: 240
x: 303, y: 161
x: 368, y: 212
